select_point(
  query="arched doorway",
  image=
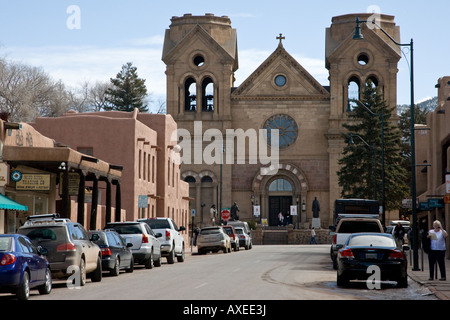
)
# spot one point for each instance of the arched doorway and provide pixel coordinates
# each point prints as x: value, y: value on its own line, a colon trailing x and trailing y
x: 280, y: 200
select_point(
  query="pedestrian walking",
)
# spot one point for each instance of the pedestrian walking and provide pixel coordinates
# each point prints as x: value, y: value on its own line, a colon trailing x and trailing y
x: 212, y: 215
x: 399, y: 233
x: 313, y: 236
x: 437, y: 236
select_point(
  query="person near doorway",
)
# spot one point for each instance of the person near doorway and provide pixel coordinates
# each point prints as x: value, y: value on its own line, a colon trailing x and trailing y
x: 313, y: 236
x: 399, y: 233
x: 212, y: 214
x: 437, y: 249
x: 234, y: 212
x: 280, y: 219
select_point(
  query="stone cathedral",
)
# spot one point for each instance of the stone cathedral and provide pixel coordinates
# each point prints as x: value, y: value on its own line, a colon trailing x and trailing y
x: 201, y: 56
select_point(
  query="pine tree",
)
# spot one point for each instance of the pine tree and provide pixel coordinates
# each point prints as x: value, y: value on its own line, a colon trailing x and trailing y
x: 128, y: 91
x: 356, y: 175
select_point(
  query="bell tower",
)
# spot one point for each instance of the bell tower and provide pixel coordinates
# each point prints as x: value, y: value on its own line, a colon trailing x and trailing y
x: 352, y: 65
x: 200, y: 53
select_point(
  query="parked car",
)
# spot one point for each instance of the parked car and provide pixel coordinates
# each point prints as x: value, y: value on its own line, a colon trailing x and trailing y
x: 238, y: 223
x: 346, y: 227
x: 68, y: 245
x: 372, y: 249
x: 245, y: 240
x: 234, y: 238
x: 116, y: 253
x: 23, y: 267
x: 213, y: 239
x: 172, y: 241
x: 146, y: 247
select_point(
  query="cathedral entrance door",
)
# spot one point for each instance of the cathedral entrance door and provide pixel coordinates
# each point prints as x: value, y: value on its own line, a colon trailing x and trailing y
x: 278, y: 204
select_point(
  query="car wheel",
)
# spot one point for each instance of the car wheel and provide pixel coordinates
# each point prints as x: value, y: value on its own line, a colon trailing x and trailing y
x: 46, y: 288
x: 342, y: 281
x: 23, y: 291
x: 116, y: 270
x: 82, y: 274
x: 149, y: 262
x: 96, y: 275
x: 130, y: 269
x: 402, y: 282
x: 180, y: 258
x: 157, y: 262
x: 171, y: 256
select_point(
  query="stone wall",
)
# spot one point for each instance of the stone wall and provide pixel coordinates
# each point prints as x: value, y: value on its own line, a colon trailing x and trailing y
x: 293, y: 236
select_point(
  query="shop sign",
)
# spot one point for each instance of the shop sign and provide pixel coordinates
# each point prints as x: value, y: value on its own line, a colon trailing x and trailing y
x: 34, y: 182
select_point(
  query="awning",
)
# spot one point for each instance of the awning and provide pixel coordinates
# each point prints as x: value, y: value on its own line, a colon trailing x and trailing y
x: 7, y: 203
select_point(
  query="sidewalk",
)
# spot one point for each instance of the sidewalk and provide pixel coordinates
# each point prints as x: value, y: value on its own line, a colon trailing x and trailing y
x: 440, y: 288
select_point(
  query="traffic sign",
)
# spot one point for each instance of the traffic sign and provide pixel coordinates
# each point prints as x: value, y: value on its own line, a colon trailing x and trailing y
x: 225, y: 214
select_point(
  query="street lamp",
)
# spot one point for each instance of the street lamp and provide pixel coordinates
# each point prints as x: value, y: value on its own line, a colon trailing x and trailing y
x: 358, y: 36
x: 350, y: 141
x: 381, y: 115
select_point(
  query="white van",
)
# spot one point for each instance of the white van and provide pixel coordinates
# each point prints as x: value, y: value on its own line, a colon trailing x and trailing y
x: 237, y: 223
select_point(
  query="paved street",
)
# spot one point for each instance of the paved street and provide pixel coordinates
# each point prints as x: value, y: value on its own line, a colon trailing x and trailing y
x: 278, y: 272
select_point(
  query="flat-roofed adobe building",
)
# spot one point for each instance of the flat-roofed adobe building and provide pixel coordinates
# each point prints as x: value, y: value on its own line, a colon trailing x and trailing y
x: 141, y: 144
x: 39, y: 175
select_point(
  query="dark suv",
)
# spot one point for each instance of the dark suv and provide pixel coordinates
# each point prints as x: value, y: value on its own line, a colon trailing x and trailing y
x: 69, y: 247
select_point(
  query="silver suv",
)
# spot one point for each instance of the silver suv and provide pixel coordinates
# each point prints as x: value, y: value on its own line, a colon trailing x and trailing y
x: 68, y: 244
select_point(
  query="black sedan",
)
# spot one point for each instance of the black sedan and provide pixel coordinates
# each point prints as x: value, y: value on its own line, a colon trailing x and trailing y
x: 374, y: 255
x: 116, y: 253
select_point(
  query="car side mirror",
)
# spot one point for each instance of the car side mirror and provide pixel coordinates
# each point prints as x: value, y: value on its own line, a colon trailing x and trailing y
x: 405, y: 248
x: 332, y: 228
x: 182, y: 228
x: 94, y: 237
x: 42, y: 251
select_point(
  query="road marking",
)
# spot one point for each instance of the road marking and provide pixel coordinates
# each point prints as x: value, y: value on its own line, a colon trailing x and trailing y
x: 202, y: 285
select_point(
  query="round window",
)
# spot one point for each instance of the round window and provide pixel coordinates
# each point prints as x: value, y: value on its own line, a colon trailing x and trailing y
x: 199, y: 60
x: 280, y: 80
x: 287, y: 130
x: 363, y: 59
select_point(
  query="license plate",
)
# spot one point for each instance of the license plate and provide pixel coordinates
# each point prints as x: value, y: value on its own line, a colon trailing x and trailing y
x: 371, y: 256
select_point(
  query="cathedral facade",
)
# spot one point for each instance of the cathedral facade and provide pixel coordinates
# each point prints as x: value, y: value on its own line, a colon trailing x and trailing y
x: 229, y: 149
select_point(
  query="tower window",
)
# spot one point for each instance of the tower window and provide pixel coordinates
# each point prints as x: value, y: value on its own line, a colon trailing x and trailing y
x: 353, y: 88
x: 208, y: 95
x: 199, y: 60
x: 363, y: 59
x: 190, y: 95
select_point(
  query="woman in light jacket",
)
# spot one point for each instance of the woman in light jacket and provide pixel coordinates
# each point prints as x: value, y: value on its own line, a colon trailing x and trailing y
x: 437, y: 250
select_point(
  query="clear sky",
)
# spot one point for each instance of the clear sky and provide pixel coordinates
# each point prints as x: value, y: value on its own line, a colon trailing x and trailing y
x: 48, y: 34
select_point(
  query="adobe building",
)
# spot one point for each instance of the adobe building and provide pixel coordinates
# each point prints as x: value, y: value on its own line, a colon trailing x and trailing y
x: 39, y: 175
x: 141, y: 145
x: 433, y: 162
x: 224, y: 158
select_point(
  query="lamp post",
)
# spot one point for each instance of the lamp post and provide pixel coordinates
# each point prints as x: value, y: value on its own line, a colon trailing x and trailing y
x: 350, y: 141
x: 358, y: 36
x: 381, y: 115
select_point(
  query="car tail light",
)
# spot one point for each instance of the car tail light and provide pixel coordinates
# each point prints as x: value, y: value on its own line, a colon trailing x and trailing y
x: 66, y: 247
x: 396, y: 254
x: 167, y: 234
x: 346, y: 253
x: 334, y: 238
x: 106, y: 251
x: 7, y: 259
x: 144, y: 238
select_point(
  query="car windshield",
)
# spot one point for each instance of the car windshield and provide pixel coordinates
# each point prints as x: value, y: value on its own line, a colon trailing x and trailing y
x: 5, y: 243
x: 158, y: 224
x: 228, y: 231
x: 210, y: 231
x: 371, y: 241
x: 126, y: 228
x: 41, y: 234
x: 359, y: 226
x: 239, y: 230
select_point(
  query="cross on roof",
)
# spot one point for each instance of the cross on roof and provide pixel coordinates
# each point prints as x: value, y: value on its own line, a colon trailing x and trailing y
x: 281, y: 38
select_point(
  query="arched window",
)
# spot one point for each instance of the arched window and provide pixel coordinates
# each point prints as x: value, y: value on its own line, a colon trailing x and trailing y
x: 208, y: 95
x: 372, y: 81
x: 280, y: 185
x: 189, y: 179
x: 207, y: 179
x: 190, y: 95
x: 353, y: 88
